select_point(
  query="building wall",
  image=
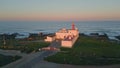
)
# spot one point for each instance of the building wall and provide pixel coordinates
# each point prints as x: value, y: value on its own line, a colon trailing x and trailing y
x: 74, y: 32
x: 60, y: 35
x: 68, y: 43
x: 49, y: 39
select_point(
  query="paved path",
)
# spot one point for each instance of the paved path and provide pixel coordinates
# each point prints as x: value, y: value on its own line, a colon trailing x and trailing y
x: 30, y: 60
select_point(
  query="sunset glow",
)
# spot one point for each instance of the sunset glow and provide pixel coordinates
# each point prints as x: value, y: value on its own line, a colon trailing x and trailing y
x: 59, y: 10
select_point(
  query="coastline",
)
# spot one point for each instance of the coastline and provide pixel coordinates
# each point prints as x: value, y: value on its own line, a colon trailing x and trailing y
x: 111, y: 28
x: 25, y: 34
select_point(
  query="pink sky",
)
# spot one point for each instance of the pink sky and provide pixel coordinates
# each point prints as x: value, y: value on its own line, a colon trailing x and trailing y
x: 61, y: 16
x: 60, y: 10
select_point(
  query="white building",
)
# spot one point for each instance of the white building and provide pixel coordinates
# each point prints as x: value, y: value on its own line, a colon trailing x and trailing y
x: 50, y: 38
x: 67, y: 36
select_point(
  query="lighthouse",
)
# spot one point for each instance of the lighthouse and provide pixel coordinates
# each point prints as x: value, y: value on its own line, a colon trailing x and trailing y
x: 73, y: 26
x: 67, y: 37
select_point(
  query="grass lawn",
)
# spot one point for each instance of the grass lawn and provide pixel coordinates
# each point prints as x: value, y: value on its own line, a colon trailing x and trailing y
x: 7, y: 59
x: 88, y: 51
x: 23, y: 46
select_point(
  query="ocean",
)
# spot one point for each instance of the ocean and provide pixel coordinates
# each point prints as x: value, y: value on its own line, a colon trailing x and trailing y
x: 111, y: 28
